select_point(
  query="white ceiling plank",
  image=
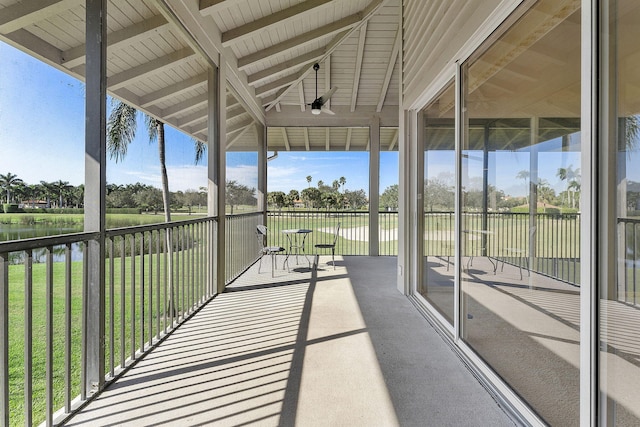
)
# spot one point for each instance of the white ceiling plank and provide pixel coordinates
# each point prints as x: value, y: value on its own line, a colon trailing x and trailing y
x: 392, y: 63
x: 190, y: 103
x: 173, y: 90
x: 25, y: 13
x: 298, y: 41
x: 306, y: 138
x: 347, y: 144
x: 193, y: 117
x: 126, y: 36
x: 265, y: 23
x: 302, y: 60
x: 262, y: 91
x: 358, y: 71
x: 122, y: 79
x: 210, y: 6
x: 343, y: 117
x: 237, y: 126
x: 285, y: 137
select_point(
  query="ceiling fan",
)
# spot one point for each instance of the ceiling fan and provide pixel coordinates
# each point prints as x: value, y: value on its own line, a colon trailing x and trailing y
x: 317, y: 106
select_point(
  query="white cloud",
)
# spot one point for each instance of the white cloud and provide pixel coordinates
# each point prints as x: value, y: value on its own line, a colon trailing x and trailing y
x: 244, y: 174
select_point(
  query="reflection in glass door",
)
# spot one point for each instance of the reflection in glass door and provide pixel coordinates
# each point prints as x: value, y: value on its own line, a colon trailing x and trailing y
x: 620, y: 297
x: 520, y: 293
x: 439, y: 195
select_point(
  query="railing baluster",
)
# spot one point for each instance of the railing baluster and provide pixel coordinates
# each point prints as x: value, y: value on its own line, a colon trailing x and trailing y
x: 28, y: 338
x: 132, y: 308
x: 142, y: 293
x: 4, y: 339
x: 123, y: 290
x: 49, y: 334
x: 150, y: 307
x: 111, y: 308
x: 158, y: 307
x: 67, y: 327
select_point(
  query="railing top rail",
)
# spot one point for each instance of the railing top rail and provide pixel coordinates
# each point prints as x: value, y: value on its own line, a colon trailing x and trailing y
x: 323, y: 211
x: 629, y: 220
x: 43, y: 242
x: 243, y: 214
x: 153, y: 227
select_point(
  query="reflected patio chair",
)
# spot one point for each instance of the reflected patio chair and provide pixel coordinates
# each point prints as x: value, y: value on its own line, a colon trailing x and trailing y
x: 521, y: 254
x: 331, y: 246
x: 261, y: 234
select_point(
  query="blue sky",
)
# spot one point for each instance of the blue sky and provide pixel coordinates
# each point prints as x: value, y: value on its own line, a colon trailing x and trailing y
x: 42, y: 139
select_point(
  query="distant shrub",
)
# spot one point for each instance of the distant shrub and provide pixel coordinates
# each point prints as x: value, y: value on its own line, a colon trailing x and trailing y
x: 34, y: 210
x: 65, y: 210
x: 124, y: 211
x: 11, y: 208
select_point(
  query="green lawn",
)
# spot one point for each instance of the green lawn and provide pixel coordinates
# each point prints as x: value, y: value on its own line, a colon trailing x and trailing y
x: 132, y: 321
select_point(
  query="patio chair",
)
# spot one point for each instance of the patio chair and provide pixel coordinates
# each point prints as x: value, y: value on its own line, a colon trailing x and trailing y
x: 521, y: 254
x: 331, y: 246
x: 261, y: 234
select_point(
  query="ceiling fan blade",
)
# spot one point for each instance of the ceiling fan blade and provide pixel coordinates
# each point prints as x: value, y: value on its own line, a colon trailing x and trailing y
x: 324, y: 98
x: 328, y: 111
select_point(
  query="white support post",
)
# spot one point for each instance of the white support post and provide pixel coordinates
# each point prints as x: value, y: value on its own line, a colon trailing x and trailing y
x: 262, y: 170
x: 212, y: 168
x: 220, y: 145
x: 95, y: 192
x: 374, y: 185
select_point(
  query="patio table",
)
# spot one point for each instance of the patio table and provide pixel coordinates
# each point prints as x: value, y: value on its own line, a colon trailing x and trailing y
x: 474, y: 236
x: 296, y: 238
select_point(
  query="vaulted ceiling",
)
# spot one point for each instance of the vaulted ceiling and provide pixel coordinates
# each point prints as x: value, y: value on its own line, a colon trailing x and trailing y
x: 159, y: 52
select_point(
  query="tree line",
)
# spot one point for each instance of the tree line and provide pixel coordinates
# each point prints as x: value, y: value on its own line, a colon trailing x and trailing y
x: 333, y: 196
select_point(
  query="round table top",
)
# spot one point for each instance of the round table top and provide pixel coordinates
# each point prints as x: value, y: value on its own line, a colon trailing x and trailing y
x: 297, y: 231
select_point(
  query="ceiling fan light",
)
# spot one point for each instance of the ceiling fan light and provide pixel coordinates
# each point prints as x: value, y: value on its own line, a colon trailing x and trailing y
x: 315, y: 107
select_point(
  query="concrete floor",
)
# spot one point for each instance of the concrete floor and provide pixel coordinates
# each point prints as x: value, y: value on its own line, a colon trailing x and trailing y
x: 311, y: 348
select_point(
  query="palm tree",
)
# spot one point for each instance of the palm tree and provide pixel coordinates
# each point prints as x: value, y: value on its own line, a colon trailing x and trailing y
x: 309, y: 180
x: 335, y: 184
x: 343, y: 181
x: 121, y: 130
x: 524, y: 175
x: 320, y: 183
x: 61, y: 187
x: 8, y: 181
x: 47, y: 189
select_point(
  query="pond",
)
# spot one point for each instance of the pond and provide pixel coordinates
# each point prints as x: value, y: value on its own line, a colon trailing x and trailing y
x: 21, y: 231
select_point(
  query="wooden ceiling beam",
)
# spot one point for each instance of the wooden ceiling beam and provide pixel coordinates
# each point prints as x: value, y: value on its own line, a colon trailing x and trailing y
x: 265, y: 23
x: 301, y: 40
x: 25, y: 13
x: 390, y: 67
x: 190, y: 103
x: 173, y: 90
x: 152, y: 67
x: 285, y: 138
x: 127, y: 36
x: 303, y: 60
x: 306, y: 138
x: 365, y: 15
x: 208, y: 7
x: 358, y: 71
x: 394, y: 140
